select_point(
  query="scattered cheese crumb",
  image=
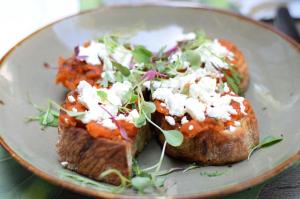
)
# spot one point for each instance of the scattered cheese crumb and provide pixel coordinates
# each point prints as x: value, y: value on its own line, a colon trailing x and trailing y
x: 71, y: 98
x: 74, y: 109
x: 170, y: 120
x: 191, y: 127
x: 163, y: 104
x: 184, y: 120
x: 108, y: 123
x: 64, y: 164
x: 237, y: 123
x: 232, y: 128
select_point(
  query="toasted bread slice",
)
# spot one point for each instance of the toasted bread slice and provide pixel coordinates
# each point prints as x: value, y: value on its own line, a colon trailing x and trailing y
x: 212, y: 144
x: 89, y: 156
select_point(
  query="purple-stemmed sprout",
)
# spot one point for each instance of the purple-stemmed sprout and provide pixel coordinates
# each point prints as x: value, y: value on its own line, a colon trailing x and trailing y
x: 151, y: 74
x: 122, y: 131
x: 171, y: 51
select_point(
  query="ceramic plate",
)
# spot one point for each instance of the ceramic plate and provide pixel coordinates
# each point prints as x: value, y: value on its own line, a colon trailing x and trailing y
x: 274, y: 91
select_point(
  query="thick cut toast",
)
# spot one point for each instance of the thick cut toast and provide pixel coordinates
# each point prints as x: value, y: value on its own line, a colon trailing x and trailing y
x: 211, y: 146
x: 91, y: 156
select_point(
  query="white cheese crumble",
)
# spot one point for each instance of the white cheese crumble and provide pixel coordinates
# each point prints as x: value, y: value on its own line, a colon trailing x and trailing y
x: 226, y: 88
x: 98, y: 110
x: 64, y: 163
x: 71, y: 98
x: 93, y: 52
x: 184, y: 120
x: 191, y: 127
x: 170, y: 120
x: 237, y: 123
x: 108, y: 123
x: 195, y: 108
x: 163, y: 104
x: 232, y: 128
x: 74, y: 109
x: 212, y: 53
x: 204, y: 99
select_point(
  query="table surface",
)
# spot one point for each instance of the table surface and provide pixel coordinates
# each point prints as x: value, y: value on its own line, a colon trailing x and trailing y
x: 286, y: 186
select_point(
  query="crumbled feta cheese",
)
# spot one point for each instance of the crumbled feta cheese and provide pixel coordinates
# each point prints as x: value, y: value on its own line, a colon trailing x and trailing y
x: 203, y: 99
x: 71, y: 98
x: 184, y: 120
x: 121, y: 117
x: 93, y: 52
x: 170, y: 120
x: 232, y: 128
x: 64, y: 163
x: 195, y: 108
x: 163, y: 104
x: 226, y: 88
x: 74, y: 109
x: 97, y: 111
x: 108, y: 123
x: 175, y: 103
x: 237, y: 123
x: 191, y: 127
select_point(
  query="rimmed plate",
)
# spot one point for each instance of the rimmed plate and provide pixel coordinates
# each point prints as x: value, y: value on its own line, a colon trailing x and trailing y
x: 274, y: 92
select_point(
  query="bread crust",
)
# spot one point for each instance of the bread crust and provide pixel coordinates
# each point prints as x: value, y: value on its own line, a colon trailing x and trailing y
x: 92, y: 156
x: 211, y: 147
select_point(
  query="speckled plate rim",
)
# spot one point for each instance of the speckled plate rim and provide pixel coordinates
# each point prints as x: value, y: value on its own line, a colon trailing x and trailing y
x: 217, y: 193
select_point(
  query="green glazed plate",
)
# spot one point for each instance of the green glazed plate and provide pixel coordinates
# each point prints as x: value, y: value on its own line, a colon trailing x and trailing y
x: 274, y: 91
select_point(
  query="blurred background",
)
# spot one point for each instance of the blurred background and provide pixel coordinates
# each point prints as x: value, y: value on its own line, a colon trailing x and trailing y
x: 19, y: 18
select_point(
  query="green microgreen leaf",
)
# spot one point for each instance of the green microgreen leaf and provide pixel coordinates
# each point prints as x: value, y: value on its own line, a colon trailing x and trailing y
x: 102, y: 95
x: 160, y: 52
x: 141, y: 54
x: 140, y: 121
x: 130, y: 97
x: 148, y: 108
x: 232, y: 84
x: 191, y: 167
x: 119, y: 76
x: 173, y: 137
x: 266, y: 142
x: 235, y: 75
x: 192, y: 57
x: 213, y: 174
x: 123, y: 179
x: 167, y: 172
x: 110, y: 42
x: 75, y: 114
x: 85, y: 181
x: 140, y: 183
x: 198, y: 41
x: 124, y: 70
x: 46, y: 117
